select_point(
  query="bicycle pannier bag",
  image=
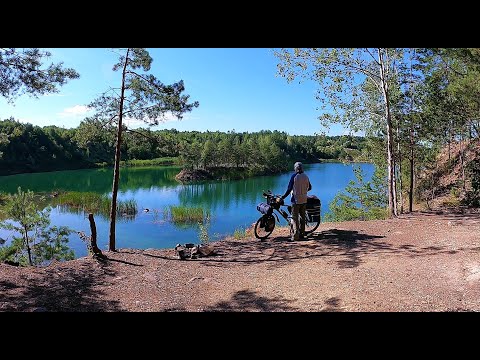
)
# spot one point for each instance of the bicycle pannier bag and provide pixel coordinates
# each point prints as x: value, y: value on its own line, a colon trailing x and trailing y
x: 313, y: 208
x: 264, y: 208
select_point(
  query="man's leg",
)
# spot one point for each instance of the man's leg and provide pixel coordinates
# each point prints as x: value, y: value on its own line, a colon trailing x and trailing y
x: 296, y: 233
x: 302, y: 209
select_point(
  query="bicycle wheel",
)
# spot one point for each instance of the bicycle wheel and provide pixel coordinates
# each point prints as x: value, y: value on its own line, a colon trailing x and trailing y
x: 310, y: 225
x: 264, y: 227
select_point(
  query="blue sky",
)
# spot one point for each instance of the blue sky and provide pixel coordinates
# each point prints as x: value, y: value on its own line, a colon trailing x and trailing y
x: 237, y: 89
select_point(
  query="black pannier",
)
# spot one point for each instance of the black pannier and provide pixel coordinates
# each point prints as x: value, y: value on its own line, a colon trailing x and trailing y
x: 264, y: 208
x: 313, y: 208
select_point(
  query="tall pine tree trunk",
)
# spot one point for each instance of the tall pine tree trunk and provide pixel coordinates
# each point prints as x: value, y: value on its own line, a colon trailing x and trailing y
x: 400, y: 170
x: 412, y: 132
x: 392, y: 206
x: 462, y: 156
x: 449, y: 142
x: 412, y: 163
x: 116, y: 171
x: 27, y: 245
x: 390, y: 165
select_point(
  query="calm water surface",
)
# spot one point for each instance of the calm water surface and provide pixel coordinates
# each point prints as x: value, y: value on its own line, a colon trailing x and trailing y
x: 232, y: 203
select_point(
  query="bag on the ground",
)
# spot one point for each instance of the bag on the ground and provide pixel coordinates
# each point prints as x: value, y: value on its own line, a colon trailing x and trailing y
x: 313, y: 208
x: 264, y: 208
x: 192, y: 251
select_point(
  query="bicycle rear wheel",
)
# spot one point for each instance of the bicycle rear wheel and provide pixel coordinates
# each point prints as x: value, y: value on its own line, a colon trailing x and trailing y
x: 310, y: 224
x: 264, y: 227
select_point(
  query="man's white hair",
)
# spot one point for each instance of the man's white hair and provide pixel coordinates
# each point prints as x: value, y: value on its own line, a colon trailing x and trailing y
x: 298, y: 166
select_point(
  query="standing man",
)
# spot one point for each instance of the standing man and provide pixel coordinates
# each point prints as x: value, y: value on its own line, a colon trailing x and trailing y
x: 299, y: 185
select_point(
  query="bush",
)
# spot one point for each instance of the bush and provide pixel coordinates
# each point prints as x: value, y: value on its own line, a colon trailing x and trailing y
x: 37, y: 242
x: 362, y: 200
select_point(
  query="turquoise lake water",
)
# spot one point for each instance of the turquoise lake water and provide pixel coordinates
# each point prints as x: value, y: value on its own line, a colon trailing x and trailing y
x: 232, y: 204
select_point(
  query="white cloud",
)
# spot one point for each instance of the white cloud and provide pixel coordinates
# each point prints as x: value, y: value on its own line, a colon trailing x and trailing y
x: 170, y: 117
x: 54, y: 94
x: 74, y: 111
x: 131, y: 122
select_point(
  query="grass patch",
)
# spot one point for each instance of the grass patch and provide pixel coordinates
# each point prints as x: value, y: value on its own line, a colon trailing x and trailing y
x: 353, y: 214
x: 93, y: 202
x: 240, y: 233
x: 452, y: 202
x: 152, y: 162
x: 186, y: 214
x: 127, y: 207
x: 102, y: 164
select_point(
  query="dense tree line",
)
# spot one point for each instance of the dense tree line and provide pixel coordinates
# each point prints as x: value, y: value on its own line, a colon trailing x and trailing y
x: 28, y: 148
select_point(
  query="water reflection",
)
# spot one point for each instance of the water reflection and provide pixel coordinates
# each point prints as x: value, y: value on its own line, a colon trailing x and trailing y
x: 93, y: 180
x: 67, y: 209
x: 225, y: 194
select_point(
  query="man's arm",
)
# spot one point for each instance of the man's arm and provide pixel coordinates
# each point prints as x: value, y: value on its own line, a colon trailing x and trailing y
x: 290, y: 187
x: 309, y: 185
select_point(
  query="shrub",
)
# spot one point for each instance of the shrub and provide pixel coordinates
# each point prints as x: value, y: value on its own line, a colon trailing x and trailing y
x: 37, y: 242
x: 361, y: 200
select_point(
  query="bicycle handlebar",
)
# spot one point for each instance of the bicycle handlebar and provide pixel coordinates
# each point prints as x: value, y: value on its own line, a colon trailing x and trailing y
x: 269, y: 195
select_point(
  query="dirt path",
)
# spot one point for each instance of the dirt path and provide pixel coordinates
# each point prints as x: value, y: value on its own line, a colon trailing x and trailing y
x: 419, y: 262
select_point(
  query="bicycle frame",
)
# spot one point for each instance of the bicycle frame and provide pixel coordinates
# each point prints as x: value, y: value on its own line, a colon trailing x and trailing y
x: 271, y: 200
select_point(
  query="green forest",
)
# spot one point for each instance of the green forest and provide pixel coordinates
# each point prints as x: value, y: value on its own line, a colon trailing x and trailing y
x: 28, y: 148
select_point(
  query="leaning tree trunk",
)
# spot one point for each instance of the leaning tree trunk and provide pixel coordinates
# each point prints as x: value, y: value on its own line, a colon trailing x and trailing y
x: 93, y: 237
x: 116, y: 171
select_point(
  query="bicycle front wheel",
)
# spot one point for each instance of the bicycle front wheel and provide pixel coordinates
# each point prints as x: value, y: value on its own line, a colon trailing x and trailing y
x: 264, y: 227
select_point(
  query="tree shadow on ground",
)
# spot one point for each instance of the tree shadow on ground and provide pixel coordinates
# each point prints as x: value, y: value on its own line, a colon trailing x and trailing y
x: 351, y: 244
x: 61, y: 289
x: 348, y: 246
x: 279, y: 251
x: 333, y: 305
x: 249, y: 301
x: 466, y: 216
x: 175, y: 309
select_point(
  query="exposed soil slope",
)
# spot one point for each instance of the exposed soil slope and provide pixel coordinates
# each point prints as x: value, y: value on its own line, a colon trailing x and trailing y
x: 441, y: 185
